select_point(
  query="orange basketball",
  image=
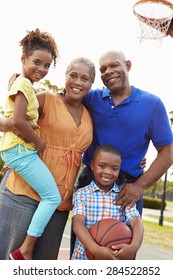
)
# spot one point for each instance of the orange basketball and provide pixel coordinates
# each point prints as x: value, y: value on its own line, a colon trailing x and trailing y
x: 109, y: 232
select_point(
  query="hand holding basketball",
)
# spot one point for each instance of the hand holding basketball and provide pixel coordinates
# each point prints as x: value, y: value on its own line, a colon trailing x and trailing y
x: 124, y: 251
x: 102, y: 253
x: 108, y: 233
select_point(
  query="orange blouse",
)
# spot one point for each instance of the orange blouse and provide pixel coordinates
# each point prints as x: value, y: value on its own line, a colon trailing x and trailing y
x: 65, y: 144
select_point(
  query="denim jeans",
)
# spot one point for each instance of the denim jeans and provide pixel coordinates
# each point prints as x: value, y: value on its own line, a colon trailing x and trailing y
x: 16, y: 212
x: 37, y: 175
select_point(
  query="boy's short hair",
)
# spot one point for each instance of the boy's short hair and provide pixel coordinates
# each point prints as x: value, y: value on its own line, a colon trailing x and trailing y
x: 106, y: 148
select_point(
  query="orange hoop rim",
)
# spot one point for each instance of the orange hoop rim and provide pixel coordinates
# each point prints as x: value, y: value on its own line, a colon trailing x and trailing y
x: 166, y: 3
x: 152, y: 19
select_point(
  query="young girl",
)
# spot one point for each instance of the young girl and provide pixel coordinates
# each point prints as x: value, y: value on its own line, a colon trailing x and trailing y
x: 39, y: 50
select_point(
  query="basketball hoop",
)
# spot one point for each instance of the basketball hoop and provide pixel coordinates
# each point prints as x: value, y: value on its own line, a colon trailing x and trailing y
x: 170, y: 29
x: 154, y: 18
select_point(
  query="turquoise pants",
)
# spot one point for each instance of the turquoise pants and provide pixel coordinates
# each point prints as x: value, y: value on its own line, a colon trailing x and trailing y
x: 37, y: 175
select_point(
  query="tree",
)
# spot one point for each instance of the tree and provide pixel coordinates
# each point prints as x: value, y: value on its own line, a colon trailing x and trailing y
x: 47, y: 86
x: 156, y: 189
x: 170, y: 186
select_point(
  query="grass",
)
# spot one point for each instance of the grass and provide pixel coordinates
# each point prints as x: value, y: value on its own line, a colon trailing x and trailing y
x: 166, y: 219
x: 157, y: 235
x: 169, y: 203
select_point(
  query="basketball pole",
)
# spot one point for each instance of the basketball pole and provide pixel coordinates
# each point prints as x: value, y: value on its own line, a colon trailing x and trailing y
x: 165, y: 184
x: 163, y: 200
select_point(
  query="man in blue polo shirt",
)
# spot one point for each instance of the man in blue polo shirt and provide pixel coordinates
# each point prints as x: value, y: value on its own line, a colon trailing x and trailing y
x: 128, y: 118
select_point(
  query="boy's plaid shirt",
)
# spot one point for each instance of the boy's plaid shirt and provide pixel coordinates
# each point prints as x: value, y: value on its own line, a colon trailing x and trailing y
x: 95, y: 205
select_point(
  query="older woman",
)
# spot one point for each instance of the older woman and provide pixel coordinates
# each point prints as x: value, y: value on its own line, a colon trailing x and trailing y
x: 67, y: 129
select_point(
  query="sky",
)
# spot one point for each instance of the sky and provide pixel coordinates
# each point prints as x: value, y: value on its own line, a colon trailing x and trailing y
x: 86, y: 28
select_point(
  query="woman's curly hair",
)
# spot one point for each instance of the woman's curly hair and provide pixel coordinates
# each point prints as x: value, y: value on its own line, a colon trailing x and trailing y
x: 37, y: 40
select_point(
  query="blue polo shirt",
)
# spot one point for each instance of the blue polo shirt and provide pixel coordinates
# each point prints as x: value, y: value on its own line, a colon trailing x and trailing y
x: 129, y: 126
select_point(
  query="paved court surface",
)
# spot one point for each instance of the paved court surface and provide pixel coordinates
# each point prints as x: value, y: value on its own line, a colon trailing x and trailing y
x: 146, y: 252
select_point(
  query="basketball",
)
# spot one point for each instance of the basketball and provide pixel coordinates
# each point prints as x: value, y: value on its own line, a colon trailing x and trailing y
x: 109, y: 232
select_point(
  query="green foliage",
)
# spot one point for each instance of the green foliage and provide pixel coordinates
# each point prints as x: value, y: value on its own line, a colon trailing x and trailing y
x: 157, y: 188
x: 1, y: 168
x: 170, y: 186
x: 153, y: 203
x: 1, y: 175
x: 1, y: 163
x: 47, y: 86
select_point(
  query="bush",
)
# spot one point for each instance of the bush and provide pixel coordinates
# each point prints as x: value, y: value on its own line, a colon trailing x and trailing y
x: 153, y: 203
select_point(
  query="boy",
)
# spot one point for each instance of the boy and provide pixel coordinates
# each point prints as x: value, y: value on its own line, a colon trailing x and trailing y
x: 96, y: 201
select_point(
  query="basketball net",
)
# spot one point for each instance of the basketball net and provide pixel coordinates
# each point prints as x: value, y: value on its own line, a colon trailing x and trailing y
x: 154, y: 18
